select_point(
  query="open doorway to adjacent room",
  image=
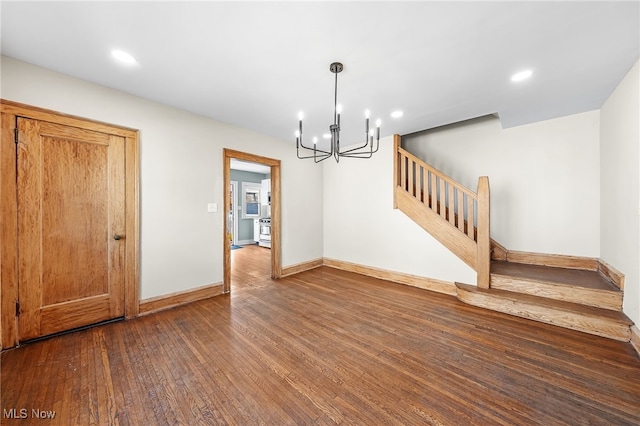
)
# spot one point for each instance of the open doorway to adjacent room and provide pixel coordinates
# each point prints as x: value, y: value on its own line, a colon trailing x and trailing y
x: 252, y: 220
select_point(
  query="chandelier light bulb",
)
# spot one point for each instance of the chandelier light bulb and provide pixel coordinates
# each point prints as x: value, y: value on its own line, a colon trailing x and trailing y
x: 366, y: 113
x: 300, y: 115
x: 378, y: 123
x: 297, y: 133
x: 339, y: 108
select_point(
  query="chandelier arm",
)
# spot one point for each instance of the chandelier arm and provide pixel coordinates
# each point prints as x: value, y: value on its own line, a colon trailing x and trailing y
x: 302, y: 144
x: 315, y: 155
x: 304, y: 157
x: 377, y: 146
x: 362, y: 147
x: 354, y: 149
x: 324, y: 154
x: 358, y: 155
x: 321, y: 151
x: 322, y: 158
x: 362, y: 154
x: 310, y: 148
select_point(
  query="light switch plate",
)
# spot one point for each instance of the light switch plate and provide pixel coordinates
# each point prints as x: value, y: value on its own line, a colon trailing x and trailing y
x: 212, y: 207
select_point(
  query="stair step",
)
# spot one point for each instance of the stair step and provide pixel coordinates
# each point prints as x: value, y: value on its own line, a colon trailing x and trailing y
x: 600, y: 322
x: 570, y: 285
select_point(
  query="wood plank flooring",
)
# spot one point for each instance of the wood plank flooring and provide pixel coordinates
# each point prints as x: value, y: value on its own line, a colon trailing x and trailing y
x: 572, y: 277
x: 250, y: 267
x: 325, y: 347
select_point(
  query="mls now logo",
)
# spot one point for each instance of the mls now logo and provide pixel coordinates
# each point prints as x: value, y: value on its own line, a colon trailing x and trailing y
x: 23, y: 413
x: 14, y: 413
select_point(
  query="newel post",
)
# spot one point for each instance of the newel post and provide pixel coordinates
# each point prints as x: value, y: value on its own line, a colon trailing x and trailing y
x: 397, y: 142
x: 483, y: 260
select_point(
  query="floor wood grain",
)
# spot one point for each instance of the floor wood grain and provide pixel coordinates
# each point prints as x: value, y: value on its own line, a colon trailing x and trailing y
x: 250, y: 267
x: 325, y: 347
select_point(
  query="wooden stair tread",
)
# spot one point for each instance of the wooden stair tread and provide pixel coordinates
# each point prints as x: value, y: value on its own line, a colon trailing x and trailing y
x: 601, y: 322
x: 564, y: 276
x: 550, y: 303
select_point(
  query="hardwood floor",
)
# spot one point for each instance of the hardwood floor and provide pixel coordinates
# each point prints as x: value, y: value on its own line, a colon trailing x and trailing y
x: 325, y: 347
x: 250, y: 267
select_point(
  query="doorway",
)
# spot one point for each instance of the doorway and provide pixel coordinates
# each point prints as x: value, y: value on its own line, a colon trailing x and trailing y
x: 70, y: 229
x: 274, y: 193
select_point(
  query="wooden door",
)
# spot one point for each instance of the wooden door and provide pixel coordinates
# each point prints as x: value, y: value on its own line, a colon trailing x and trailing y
x: 71, y: 220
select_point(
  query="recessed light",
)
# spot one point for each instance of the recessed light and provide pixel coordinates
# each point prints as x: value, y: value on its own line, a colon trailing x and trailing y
x: 123, y: 57
x: 521, y: 76
x: 397, y: 114
x: 326, y: 136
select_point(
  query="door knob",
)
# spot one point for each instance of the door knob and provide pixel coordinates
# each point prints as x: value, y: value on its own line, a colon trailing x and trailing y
x: 117, y: 237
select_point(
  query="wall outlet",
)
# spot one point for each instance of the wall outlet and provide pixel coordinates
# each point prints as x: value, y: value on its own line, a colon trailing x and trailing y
x: 212, y: 207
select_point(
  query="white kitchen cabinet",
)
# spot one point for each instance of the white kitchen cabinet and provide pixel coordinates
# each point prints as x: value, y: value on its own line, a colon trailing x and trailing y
x: 256, y: 230
x: 265, y: 192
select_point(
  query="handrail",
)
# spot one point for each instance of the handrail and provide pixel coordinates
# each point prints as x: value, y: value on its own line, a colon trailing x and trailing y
x: 452, y: 201
x: 435, y: 171
x: 465, y: 210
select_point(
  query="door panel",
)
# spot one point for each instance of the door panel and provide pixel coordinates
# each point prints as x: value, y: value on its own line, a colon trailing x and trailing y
x: 71, y: 193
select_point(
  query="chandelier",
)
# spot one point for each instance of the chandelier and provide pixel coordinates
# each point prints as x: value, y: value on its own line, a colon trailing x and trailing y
x: 365, y: 150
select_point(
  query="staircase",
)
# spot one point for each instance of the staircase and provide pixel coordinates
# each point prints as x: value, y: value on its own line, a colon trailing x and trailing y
x: 580, y: 299
x: 578, y: 293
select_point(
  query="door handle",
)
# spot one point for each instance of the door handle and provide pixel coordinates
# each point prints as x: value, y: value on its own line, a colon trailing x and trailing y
x: 117, y: 237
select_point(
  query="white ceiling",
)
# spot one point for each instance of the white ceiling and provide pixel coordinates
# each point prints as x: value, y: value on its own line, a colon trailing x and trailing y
x: 256, y: 64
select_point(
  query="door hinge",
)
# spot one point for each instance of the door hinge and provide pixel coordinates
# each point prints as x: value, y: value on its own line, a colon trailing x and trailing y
x: 16, y: 133
x: 17, y: 308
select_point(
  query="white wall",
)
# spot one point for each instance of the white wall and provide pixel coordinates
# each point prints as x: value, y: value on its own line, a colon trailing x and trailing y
x: 361, y: 226
x: 571, y: 198
x: 181, y: 171
x: 544, y: 178
x: 620, y: 186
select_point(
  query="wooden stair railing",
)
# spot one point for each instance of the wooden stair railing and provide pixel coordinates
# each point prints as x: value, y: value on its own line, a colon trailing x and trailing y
x: 455, y: 215
x: 577, y: 293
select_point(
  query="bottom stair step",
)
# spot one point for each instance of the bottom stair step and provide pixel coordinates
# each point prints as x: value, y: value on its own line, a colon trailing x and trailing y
x: 588, y: 319
x: 584, y: 287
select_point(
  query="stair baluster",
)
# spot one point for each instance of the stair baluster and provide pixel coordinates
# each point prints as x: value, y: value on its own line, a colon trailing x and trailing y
x: 460, y: 216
